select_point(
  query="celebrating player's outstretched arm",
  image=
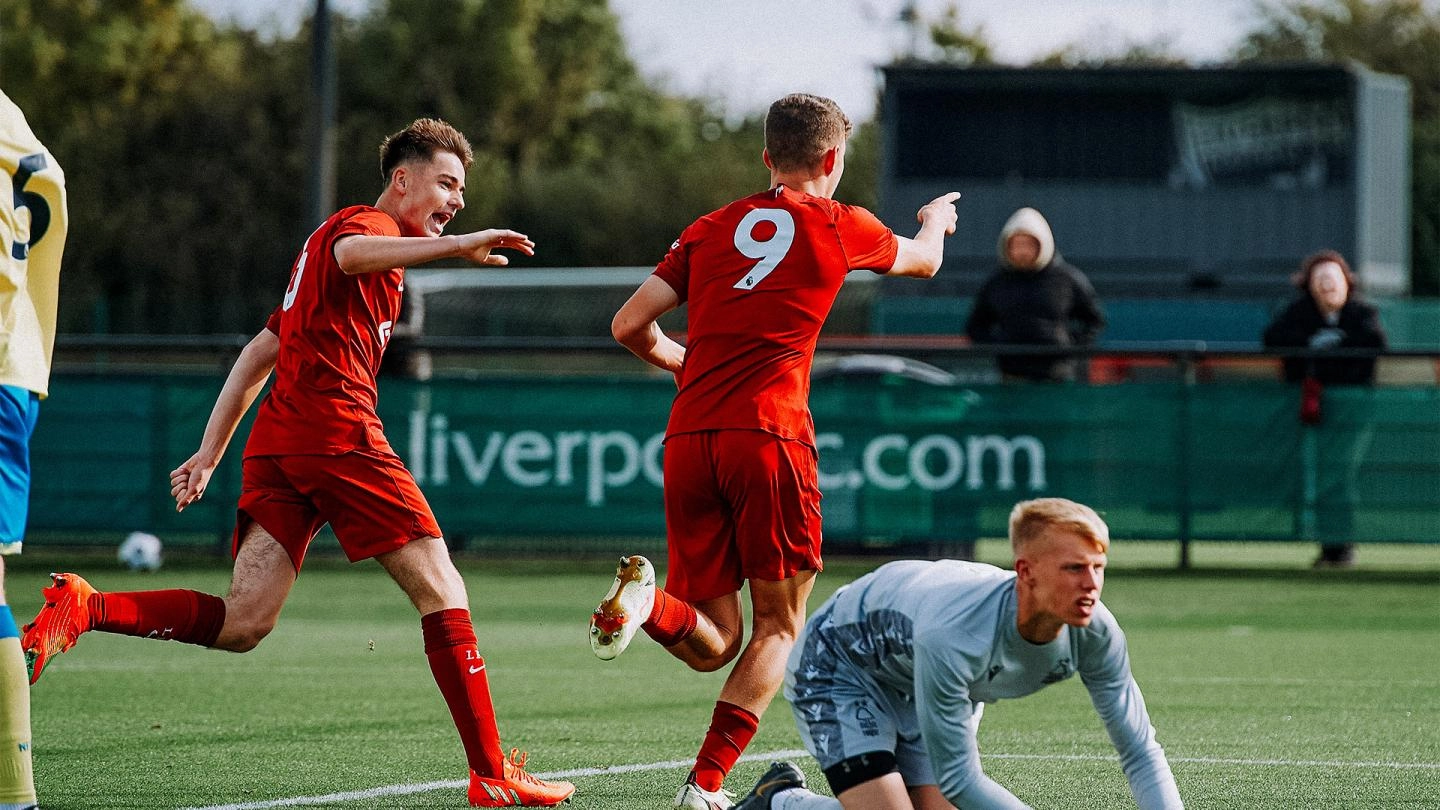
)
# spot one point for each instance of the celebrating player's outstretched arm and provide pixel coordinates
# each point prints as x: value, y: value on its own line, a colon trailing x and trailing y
x: 920, y: 257
x: 372, y: 254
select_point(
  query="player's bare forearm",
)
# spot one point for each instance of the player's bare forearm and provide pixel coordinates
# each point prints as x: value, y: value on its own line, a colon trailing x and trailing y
x: 372, y: 254
x: 656, y: 348
x: 635, y: 326
x: 242, y: 386
x: 244, y: 383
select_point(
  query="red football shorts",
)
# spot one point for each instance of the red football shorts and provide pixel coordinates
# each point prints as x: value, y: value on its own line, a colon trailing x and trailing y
x: 739, y: 504
x: 369, y: 499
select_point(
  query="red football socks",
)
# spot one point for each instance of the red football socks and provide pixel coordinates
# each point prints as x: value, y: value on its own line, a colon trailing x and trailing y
x: 176, y: 615
x: 460, y: 673
x: 671, y: 620
x: 731, y: 729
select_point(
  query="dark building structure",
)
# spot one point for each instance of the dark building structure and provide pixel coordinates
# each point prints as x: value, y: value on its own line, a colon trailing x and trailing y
x: 1181, y: 184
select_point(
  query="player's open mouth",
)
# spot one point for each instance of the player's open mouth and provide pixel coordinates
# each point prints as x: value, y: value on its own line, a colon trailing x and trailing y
x: 441, y: 220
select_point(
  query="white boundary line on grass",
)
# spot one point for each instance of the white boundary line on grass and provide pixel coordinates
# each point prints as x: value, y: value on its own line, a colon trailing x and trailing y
x: 425, y: 787
x: 460, y: 784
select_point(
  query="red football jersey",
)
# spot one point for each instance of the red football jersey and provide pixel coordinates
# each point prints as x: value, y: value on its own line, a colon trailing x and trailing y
x: 759, y: 277
x: 333, y: 328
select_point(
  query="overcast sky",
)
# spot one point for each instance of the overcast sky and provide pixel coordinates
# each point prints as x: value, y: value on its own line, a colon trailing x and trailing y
x: 749, y: 52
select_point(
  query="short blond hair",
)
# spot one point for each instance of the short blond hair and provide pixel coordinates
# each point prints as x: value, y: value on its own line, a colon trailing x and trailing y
x: 1031, y: 520
x: 420, y: 141
x: 799, y: 128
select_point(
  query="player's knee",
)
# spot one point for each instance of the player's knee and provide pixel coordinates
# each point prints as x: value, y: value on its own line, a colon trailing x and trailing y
x: 247, y: 640
x: 450, y: 587
x: 858, y: 770
x: 243, y: 635
x: 718, y: 659
x: 781, y: 630
x: 713, y: 663
x: 425, y: 572
x: 778, y: 619
x: 437, y: 592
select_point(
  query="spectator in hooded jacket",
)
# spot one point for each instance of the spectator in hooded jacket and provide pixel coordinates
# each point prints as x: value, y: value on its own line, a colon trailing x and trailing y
x: 1035, y: 298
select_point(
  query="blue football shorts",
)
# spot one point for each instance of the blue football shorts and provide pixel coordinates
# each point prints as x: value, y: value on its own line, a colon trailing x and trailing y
x: 18, y: 410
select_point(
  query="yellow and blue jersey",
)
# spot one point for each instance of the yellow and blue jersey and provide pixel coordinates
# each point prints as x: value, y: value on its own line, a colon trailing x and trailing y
x: 33, y: 222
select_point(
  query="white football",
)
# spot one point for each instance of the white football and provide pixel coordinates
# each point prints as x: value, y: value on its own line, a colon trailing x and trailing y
x: 140, y: 552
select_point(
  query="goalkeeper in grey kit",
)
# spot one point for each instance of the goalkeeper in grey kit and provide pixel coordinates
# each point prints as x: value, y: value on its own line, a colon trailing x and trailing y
x: 889, y: 679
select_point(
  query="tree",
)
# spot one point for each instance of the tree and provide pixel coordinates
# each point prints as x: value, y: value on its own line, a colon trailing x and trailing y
x: 184, y: 142
x: 944, y: 38
x: 173, y: 136
x: 572, y: 146
x: 1157, y: 53
x: 1391, y: 36
x: 957, y: 43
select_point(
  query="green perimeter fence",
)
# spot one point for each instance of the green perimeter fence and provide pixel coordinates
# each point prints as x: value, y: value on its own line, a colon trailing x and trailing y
x: 568, y: 458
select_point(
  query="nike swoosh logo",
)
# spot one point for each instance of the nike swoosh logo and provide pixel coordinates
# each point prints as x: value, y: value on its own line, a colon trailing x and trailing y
x: 474, y: 670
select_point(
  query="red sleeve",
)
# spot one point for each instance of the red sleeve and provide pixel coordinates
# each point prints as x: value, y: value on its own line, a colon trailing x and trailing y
x: 674, y: 269
x: 273, y: 322
x: 867, y: 242
x: 365, y: 222
x: 369, y: 222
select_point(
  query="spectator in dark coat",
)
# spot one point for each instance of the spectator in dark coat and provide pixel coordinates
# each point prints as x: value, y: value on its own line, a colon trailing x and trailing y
x: 1035, y: 298
x: 1329, y: 315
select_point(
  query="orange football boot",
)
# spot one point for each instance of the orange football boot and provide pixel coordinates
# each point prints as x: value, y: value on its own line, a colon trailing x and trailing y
x: 518, y: 788
x: 65, y: 615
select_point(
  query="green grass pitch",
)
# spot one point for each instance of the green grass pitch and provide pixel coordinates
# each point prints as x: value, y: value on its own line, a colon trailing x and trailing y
x: 1271, y: 686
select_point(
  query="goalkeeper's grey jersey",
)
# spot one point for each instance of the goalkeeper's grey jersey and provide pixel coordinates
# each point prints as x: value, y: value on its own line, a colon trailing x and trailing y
x: 945, y: 634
